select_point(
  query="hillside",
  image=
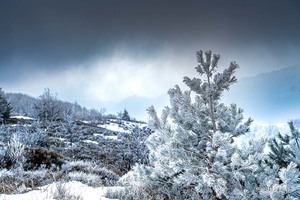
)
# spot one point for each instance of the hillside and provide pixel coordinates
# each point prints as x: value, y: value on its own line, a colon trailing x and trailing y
x: 94, y: 152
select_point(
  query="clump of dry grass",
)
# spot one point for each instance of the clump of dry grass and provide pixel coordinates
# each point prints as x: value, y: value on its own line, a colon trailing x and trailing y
x: 63, y: 193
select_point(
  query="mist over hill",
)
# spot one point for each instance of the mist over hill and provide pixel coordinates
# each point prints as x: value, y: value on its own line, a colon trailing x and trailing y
x: 137, y: 105
x: 268, y: 97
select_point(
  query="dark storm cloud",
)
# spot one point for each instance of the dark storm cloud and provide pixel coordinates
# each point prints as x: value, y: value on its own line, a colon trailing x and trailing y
x: 54, y: 32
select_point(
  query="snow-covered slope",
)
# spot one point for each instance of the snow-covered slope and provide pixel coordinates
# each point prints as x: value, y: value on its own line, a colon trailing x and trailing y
x: 48, y: 192
x: 121, y: 126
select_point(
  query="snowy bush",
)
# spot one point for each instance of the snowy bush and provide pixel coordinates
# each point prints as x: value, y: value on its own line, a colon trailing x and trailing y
x: 36, y: 178
x: 133, y: 148
x: 80, y: 165
x: 14, y: 182
x: 127, y: 194
x: 86, y: 178
x: 14, y: 152
x: 62, y: 192
x: 91, y: 173
x: 34, y: 136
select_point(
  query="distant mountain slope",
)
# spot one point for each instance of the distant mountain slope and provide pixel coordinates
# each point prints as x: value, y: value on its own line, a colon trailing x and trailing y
x: 269, y: 97
x: 137, y: 105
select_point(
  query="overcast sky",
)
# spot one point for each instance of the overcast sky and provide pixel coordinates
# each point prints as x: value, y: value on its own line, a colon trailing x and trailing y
x: 94, y: 51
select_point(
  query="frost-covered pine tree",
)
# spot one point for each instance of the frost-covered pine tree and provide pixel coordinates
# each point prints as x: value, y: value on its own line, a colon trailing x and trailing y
x: 192, y: 150
x: 5, y: 108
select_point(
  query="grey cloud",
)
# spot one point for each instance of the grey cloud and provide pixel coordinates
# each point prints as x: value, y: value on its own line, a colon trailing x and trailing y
x: 59, y: 31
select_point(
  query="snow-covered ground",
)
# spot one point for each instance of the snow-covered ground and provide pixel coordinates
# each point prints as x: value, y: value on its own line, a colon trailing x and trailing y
x: 121, y: 126
x: 90, y: 141
x: 110, y: 137
x: 48, y: 192
x: 114, y: 127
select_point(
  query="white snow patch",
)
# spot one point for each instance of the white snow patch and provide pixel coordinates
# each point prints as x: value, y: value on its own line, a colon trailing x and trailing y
x: 74, y: 188
x: 114, y: 127
x: 111, y: 137
x: 22, y: 117
x: 121, y: 125
x: 86, y: 122
x: 61, y: 139
x: 129, y: 123
x: 4, y: 172
x: 90, y: 141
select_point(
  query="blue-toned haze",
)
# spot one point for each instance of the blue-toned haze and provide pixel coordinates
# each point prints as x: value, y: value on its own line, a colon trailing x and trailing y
x: 99, y: 53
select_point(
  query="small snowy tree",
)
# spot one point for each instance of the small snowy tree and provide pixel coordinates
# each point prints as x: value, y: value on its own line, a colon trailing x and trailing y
x: 5, y: 108
x: 134, y: 149
x: 48, y: 107
x: 124, y: 115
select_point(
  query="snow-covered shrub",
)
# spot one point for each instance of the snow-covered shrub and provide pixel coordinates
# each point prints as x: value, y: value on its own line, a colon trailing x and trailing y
x: 8, y: 182
x: 14, y: 152
x: 34, y: 136
x: 80, y: 165
x: 62, y: 192
x: 127, y: 194
x: 15, y: 182
x: 36, y: 178
x: 95, y: 174
x: 86, y: 178
x: 133, y: 148
x: 29, y: 135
